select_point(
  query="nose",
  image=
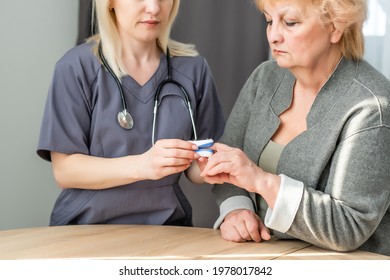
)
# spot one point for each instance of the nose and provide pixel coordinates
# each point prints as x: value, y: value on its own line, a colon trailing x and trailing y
x: 152, y: 6
x: 274, y: 33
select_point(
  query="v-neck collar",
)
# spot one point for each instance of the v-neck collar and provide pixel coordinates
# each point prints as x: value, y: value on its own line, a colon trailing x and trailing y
x: 336, y: 85
x: 145, y: 92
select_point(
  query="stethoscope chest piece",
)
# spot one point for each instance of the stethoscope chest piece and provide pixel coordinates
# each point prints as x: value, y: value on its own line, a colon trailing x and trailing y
x: 125, y: 120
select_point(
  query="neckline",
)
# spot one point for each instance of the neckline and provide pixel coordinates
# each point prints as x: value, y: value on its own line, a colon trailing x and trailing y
x: 277, y: 144
x: 146, y: 92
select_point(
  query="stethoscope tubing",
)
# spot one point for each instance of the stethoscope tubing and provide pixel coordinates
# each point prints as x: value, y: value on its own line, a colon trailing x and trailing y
x: 169, y: 80
x: 117, y: 81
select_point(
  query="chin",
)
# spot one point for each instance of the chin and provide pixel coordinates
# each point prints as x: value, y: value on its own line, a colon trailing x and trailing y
x: 283, y: 64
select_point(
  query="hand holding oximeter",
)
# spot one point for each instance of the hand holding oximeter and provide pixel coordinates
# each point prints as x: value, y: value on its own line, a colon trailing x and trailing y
x: 203, y: 147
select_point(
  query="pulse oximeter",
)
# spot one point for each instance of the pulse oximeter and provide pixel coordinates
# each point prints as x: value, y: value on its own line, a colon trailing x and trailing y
x: 203, y: 146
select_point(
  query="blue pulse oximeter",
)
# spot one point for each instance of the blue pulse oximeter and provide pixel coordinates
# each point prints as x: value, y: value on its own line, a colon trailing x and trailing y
x: 203, y: 146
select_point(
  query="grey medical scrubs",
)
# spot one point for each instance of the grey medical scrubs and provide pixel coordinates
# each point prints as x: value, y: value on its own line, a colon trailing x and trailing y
x: 81, y: 117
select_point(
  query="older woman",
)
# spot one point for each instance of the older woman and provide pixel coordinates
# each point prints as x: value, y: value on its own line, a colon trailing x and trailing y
x: 309, y: 135
x: 125, y: 167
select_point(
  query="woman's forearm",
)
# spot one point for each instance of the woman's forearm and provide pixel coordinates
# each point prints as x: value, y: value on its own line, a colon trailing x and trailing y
x: 88, y: 172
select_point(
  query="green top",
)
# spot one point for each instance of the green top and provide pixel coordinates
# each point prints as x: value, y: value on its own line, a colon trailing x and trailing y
x: 268, y: 161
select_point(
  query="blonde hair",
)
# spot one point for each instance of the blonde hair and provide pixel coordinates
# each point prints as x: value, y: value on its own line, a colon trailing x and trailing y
x: 108, y: 36
x: 349, y: 15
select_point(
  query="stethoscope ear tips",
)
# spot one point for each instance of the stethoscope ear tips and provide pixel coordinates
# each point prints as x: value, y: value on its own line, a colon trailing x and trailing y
x: 125, y: 120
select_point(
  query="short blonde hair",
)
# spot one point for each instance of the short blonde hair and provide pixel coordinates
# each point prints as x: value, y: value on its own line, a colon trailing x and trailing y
x: 351, y: 14
x: 108, y: 36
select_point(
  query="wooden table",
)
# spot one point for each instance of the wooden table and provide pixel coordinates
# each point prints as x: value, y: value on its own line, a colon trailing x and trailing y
x: 141, y: 242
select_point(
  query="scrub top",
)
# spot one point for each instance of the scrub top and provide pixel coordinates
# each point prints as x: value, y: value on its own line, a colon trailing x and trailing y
x: 81, y: 117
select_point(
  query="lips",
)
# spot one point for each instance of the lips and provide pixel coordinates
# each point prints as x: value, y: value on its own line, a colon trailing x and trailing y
x: 150, y: 21
x: 278, y: 51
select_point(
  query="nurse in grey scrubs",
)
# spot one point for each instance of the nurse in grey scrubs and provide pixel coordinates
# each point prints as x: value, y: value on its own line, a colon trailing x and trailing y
x: 114, y: 175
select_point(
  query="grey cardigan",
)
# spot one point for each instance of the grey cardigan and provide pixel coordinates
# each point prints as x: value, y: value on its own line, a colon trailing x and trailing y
x: 342, y: 160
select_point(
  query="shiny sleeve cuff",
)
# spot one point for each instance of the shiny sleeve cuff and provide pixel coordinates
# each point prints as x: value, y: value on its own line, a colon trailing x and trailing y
x: 231, y: 204
x: 286, y: 206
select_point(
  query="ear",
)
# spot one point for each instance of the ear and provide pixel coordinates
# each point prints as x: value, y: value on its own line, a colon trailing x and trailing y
x: 337, y: 31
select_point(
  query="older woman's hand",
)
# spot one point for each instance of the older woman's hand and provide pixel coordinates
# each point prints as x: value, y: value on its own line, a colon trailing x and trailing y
x: 242, y: 226
x: 231, y: 165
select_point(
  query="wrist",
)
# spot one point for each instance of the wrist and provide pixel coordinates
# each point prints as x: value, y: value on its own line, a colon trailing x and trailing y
x: 134, y: 169
x: 268, y: 187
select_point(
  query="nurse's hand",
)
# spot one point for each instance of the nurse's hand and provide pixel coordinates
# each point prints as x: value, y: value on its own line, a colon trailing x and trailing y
x: 166, y: 157
x: 244, y: 225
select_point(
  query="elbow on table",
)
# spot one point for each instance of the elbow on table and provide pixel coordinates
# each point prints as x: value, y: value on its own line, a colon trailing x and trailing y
x: 344, y: 248
x: 344, y: 245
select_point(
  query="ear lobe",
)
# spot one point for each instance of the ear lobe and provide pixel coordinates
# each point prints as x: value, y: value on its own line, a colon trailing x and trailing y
x: 337, y: 31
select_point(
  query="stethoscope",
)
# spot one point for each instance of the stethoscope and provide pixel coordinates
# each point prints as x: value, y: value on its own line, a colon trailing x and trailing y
x: 125, y: 120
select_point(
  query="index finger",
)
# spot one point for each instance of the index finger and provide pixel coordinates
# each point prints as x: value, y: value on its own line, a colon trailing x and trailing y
x: 213, y: 161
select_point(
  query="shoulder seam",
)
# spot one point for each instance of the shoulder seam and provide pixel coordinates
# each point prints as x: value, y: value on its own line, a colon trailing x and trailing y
x: 366, y: 129
x: 376, y: 99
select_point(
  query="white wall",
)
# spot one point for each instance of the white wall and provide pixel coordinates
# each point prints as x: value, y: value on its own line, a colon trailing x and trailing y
x: 377, y: 35
x: 33, y: 36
